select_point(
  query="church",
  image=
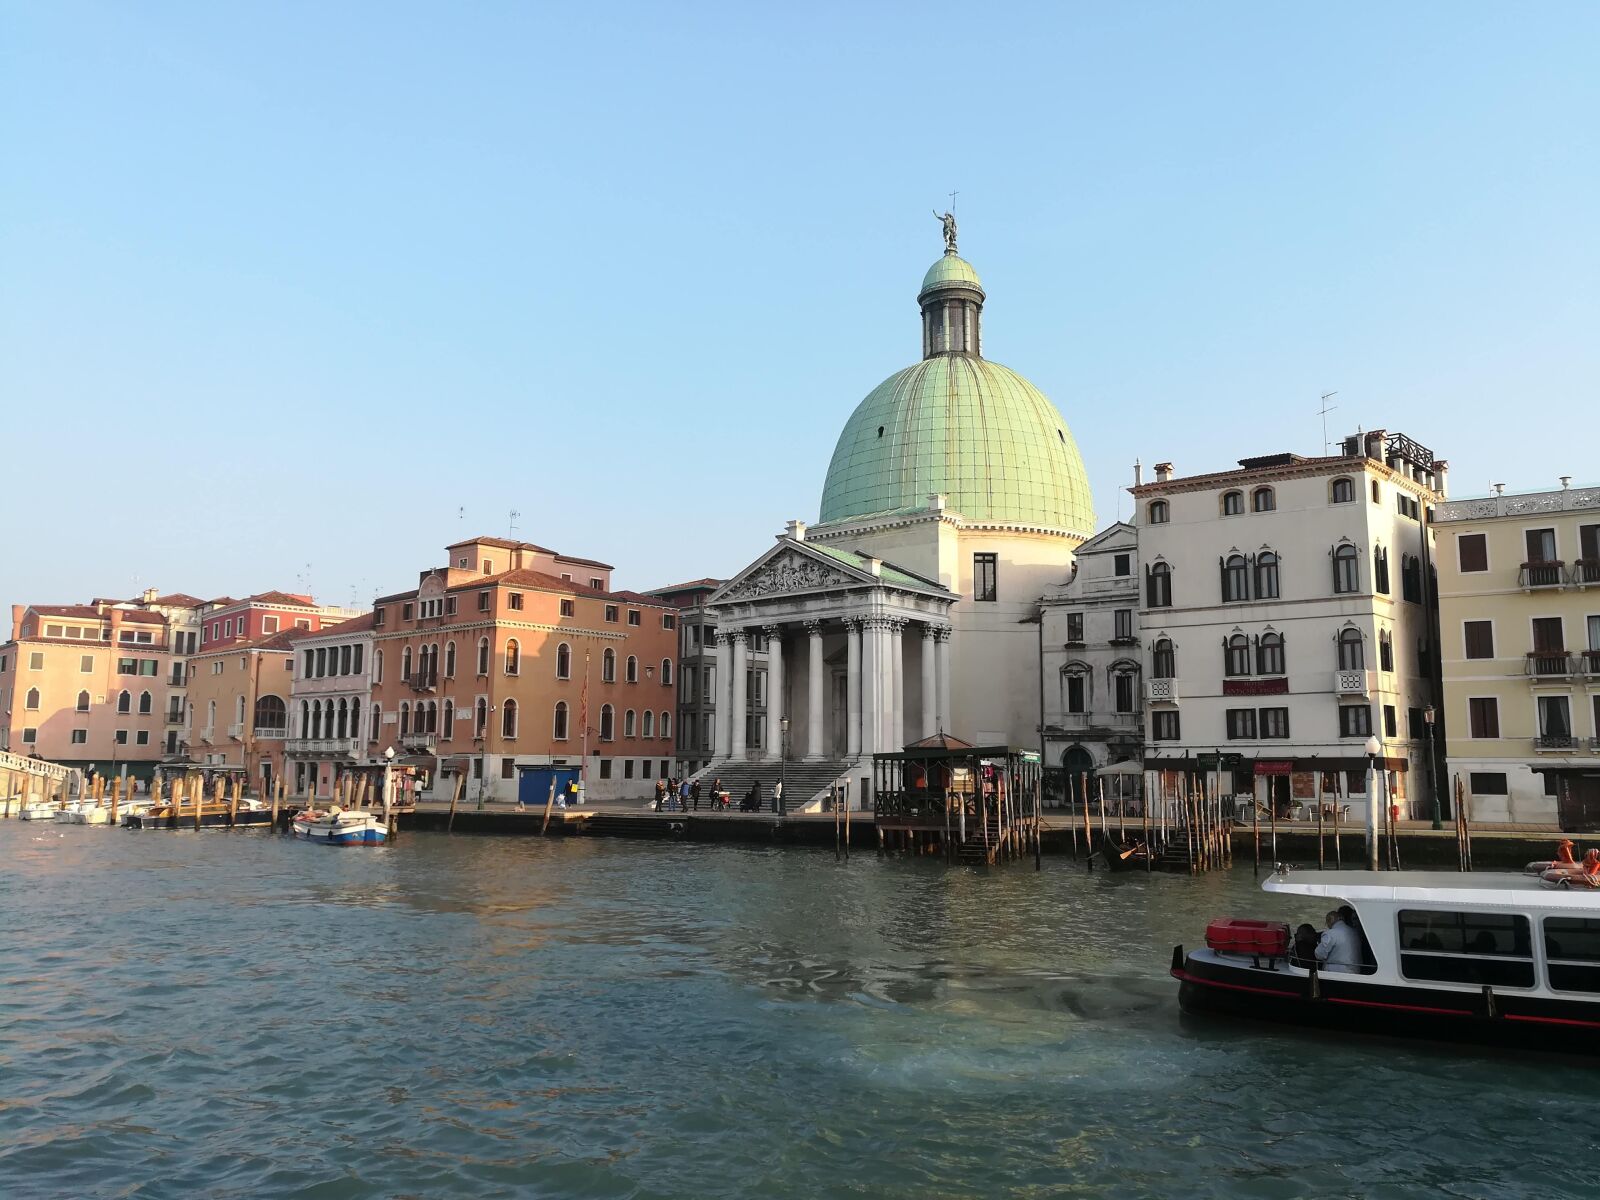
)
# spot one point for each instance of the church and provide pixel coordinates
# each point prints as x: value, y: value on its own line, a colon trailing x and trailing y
x: 955, y: 498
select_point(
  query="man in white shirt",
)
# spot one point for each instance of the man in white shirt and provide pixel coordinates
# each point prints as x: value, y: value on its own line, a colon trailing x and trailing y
x: 1339, y: 948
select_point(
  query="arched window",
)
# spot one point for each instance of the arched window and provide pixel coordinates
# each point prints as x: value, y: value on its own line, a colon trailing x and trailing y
x: 1158, y: 586
x: 483, y: 656
x: 355, y: 715
x: 666, y: 671
x: 305, y: 719
x: 272, y: 713
x: 211, y: 715
x: 449, y: 660
x: 376, y: 731
x: 563, y: 661
x: 449, y: 719
x: 1380, y: 569
x: 508, y: 719
x: 1159, y: 512
x: 1236, y: 657
x: 83, y: 702
x: 405, y: 665
x: 1235, y: 578
x: 1232, y: 503
x: 513, y: 657
x: 1164, y: 659
x: 1269, y: 654
x: 1385, y: 651
x: 1266, y: 575
x: 238, y: 710
x: 377, y: 666
x: 649, y: 724
x: 1346, y: 571
x: 316, y: 719
x: 145, y: 702
x: 480, y: 718
x: 342, y: 727
x: 629, y: 724
x: 632, y: 675
x: 1343, y: 492
x: 1262, y: 500
x: 608, y: 666
x: 124, y: 700
x: 1352, y: 655
x: 666, y: 724
x: 405, y: 719
x: 608, y: 723
x: 559, y: 732
x: 1411, y: 578
x: 31, y: 701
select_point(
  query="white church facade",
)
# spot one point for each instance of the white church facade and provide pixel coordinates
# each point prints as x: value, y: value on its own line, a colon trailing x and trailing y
x: 955, y: 498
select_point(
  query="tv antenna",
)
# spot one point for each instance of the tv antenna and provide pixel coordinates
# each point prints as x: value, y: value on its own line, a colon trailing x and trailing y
x: 1323, y: 412
x: 511, y: 531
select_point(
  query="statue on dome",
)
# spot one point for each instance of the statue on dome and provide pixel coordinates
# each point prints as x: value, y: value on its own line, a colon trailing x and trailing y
x: 948, y: 220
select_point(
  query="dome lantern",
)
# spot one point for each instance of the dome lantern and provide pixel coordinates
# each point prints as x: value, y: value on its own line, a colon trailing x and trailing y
x: 952, y: 307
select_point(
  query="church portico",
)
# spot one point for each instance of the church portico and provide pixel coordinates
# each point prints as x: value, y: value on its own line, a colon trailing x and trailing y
x: 848, y: 639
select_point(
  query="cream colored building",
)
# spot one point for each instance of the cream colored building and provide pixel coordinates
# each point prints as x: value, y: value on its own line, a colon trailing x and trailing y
x: 1519, y: 609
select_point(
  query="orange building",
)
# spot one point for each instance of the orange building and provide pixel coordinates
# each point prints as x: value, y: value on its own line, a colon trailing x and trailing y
x: 513, y: 658
x: 239, y: 707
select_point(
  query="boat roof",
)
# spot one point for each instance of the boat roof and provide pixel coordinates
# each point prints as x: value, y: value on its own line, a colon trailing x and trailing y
x: 1452, y: 888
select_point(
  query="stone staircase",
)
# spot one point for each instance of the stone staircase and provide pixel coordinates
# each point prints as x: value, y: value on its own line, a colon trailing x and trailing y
x: 801, y: 780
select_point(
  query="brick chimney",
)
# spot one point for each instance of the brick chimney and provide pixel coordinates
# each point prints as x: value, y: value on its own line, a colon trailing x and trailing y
x: 16, y: 620
x: 1163, y: 472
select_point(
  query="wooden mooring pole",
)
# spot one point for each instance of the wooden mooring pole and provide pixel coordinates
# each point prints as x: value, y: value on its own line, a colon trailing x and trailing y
x: 455, y: 799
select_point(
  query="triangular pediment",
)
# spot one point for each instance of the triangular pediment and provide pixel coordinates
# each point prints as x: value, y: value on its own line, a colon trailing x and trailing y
x: 789, y: 569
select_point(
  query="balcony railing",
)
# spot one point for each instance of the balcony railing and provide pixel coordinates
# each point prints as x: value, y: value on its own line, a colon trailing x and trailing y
x: 1586, y: 571
x: 273, y: 733
x: 1352, y: 683
x: 1550, y: 664
x: 422, y: 681
x: 236, y: 730
x: 323, y: 745
x: 1161, y: 691
x: 1556, y: 741
x: 1551, y: 574
x: 1589, y: 660
x: 1594, y: 745
x: 205, y: 735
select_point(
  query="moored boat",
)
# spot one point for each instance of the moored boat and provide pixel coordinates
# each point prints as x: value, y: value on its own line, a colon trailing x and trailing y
x: 340, y: 827
x: 39, y: 811
x: 83, y: 812
x: 1482, y: 958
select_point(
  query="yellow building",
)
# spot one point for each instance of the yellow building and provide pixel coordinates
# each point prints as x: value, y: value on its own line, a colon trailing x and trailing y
x: 1519, y: 610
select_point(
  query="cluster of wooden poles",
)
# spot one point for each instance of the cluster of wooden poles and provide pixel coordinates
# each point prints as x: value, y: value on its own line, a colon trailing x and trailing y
x: 1188, y: 815
x: 187, y: 800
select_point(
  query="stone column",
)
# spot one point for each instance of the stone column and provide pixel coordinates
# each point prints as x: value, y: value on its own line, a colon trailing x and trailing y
x: 942, y: 640
x: 852, y: 687
x: 897, y: 685
x: 930, y: 684
x: 774, y: 692
x: 870, y: 721
x: 738, y: 708
x: 720, y: 703
x: 815, y: 722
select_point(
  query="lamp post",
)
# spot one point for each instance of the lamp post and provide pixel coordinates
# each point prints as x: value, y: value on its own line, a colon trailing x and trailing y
x: 1373, y: 746
x: 783, y: 763
x: 1429, y: 716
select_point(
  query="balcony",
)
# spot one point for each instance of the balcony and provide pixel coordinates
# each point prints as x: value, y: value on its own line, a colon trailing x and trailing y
x: 1551, y: 664
x: 1585, y: 571
x: 1589, y: 664
x: 334, y: 746
x: 277, y: 733
x: 236, y: 731
x: 1536, y: 575
x: 421, y: 681
x: 1352, y: 683
x: 205, y: 735
x: 1124, y: 639
x: 1161, y: 691
x: 1556, y: 741
x: 420, y: 743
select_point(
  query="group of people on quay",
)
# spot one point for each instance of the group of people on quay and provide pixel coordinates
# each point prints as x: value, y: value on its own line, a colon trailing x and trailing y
x: 683, y: 795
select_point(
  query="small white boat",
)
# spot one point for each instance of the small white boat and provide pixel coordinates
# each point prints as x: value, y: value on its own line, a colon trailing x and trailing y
x: 84, y: 812
x: 337, y: 827
x: 39, y: 811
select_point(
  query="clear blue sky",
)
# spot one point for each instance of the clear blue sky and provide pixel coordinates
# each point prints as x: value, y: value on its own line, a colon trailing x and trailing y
x: 288, y: 285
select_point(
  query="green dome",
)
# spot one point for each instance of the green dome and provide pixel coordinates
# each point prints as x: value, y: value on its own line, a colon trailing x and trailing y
x: 968, y: 428
x: 951, y: 269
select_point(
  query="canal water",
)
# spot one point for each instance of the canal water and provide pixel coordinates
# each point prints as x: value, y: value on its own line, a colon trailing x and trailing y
x: 239, y: 1015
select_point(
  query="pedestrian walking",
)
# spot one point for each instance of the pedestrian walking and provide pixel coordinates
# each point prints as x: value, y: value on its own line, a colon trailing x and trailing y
x: 694, y: 794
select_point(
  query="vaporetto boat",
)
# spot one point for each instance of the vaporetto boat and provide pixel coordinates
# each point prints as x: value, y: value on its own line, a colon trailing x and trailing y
x: 340, y: 827
x: 1483, y: 958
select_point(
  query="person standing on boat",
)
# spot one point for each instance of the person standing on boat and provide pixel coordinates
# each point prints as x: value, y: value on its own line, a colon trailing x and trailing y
x: 1340, y: 947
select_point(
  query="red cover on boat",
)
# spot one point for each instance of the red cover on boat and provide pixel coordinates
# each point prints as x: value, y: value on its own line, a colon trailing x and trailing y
x: 1236, y: 935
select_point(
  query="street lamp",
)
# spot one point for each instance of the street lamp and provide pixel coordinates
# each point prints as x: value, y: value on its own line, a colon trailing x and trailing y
x: 783, y: 762
x: 1373, y: 746
x: 1429, y: 716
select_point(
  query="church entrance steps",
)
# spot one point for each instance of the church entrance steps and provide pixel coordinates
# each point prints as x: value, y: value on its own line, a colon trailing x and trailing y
x: 805, y: 784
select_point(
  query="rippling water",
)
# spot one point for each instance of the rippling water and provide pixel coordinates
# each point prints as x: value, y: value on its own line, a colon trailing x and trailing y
x: 236, y: 1014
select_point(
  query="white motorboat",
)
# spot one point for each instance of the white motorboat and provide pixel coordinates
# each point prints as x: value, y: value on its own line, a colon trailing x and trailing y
x: 84, y: 812
x: 339, y: 827
x: 40, y: 810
